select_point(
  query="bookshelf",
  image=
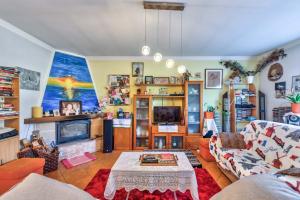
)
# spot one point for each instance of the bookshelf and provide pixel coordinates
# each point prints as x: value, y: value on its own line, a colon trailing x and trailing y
x: 9, y: 111
x: 242, y: 105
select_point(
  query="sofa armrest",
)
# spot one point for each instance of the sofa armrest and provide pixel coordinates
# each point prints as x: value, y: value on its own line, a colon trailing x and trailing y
x: 214, y: 146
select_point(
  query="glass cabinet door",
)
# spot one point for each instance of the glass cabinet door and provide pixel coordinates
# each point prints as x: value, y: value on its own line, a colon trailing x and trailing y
x: 177, y: 142
x: 194, y: 118
x: 142, y: 122
x: 160, y: 142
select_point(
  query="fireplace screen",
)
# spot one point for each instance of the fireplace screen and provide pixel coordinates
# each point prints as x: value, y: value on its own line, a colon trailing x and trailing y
x: 68, y: 131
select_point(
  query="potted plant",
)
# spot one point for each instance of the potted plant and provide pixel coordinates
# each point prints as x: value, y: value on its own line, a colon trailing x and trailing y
x: 295, y: 102
x: 209, y: 113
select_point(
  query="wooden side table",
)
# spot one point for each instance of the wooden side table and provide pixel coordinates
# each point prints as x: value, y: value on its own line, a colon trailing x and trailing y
x: 122, y: 138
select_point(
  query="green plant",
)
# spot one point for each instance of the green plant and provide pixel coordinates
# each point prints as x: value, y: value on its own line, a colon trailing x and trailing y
x: 294, y: 98
x: 210, y: 108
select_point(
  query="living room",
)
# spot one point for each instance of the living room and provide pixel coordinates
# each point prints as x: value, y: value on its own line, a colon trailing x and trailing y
x: 149, y: 99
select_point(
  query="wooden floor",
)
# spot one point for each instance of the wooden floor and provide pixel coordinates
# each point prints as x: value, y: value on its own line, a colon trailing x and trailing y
x: 81, y: 175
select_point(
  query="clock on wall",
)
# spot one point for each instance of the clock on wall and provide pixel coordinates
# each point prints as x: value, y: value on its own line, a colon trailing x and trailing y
x: 275, y: 72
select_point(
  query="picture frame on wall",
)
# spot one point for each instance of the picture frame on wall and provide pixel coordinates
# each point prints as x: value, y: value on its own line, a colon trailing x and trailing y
x: 280, y: 90
x: 137, y: 69
x: 68, y: 108
x: 213, y: 78
x: 296, y: 84
x: 161, y: 80
x: 148, y: 80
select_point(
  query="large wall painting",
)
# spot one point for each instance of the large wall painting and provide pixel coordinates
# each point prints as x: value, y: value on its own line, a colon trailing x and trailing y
x: 69, y: 80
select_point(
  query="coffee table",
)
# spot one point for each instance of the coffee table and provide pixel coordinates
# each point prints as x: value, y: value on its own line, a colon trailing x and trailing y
x: 128, y: 174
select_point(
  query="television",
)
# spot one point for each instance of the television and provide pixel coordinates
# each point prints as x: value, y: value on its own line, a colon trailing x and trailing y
x: 167, y: 114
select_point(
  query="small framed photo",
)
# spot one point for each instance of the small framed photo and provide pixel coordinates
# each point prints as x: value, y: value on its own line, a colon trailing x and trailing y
x: 70, y: 107
x: 56, y: 112
x: 213, y: 78
x: 280, y: 89
x: 296, y: 84
x: 161, y: 80
x: 148, y: 79
x: 173, y: 80
x: 137, y: 69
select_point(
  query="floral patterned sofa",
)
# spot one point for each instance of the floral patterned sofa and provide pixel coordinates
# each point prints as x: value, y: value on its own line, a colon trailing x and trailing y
x: 270, y: 147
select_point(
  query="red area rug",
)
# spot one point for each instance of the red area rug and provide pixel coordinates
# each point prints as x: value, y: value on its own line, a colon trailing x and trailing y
x: 78, y: 160
x: 207, y: 187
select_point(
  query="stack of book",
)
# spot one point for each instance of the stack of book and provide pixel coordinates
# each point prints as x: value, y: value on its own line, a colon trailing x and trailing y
x: 6, y: 78
x: 279, y: 112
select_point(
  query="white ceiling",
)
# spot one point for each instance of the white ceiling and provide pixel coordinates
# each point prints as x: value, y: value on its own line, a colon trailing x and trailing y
x: 116, y: 27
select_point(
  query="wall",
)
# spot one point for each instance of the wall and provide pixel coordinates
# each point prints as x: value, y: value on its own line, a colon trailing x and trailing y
x: 23, y: 50
x: 102, y: 68
x: 291, y: 68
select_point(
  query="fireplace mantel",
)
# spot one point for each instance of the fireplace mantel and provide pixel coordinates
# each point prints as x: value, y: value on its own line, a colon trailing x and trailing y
x: 59, y: 118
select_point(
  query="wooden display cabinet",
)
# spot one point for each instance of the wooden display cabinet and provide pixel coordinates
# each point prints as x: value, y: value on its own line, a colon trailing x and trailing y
x: 193, y: 113
x: 168, y: 140
x: 142, y: 110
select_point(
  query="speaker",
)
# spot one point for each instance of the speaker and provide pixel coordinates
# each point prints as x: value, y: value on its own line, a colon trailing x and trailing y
x: 107, y: 135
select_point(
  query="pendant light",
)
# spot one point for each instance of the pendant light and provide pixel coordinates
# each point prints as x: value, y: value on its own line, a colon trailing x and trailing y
x: 145, y: 49
x: 170, y: 62
x: 181, y: 68
x: 157, y: 56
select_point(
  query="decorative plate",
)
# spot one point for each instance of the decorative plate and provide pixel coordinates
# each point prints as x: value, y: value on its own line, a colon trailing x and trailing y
x: 275, y: 72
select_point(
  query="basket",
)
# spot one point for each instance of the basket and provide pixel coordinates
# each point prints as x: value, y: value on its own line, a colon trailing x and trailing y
x: 26, y: 153
x: 51, y: 159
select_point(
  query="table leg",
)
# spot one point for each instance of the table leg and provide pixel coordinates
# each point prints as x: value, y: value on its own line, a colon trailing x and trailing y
x: 127, y: 196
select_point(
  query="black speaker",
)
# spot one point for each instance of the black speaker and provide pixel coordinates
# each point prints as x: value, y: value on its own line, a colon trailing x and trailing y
x: 107, y: 135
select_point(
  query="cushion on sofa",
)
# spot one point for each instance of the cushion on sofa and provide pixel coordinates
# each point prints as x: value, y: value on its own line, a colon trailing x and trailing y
x: 232, y: 140
x: 37, y: 187
x: 262, y: 187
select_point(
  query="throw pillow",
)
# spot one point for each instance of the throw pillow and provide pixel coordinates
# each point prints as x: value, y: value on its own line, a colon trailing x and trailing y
x: 232, y: 141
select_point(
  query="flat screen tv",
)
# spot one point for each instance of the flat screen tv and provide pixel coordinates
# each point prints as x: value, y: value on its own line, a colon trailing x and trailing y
x: 167, y: 114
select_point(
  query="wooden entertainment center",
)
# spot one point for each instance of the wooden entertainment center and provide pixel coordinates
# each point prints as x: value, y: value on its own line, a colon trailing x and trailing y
x: 146, y: 134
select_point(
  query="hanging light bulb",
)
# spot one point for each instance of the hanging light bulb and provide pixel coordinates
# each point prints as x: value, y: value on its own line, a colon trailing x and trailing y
x: 181, y: 69
x: 145, y: 50
x: 157, y: 57
x: 170, y: 63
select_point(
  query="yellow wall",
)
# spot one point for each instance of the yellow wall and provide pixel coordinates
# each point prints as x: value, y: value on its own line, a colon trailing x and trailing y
x: 101, y: 69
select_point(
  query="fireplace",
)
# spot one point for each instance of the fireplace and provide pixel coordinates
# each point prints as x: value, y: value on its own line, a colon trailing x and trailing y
x: 68, y: 131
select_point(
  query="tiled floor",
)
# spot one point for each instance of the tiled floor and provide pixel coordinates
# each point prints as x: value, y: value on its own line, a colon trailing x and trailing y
x: 81, y: 175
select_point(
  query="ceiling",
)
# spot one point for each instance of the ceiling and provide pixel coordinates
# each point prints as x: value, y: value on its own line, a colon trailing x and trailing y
x: 116, y: 27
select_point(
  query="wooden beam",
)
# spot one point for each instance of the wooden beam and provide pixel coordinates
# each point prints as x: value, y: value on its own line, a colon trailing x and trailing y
x: 163, y: 6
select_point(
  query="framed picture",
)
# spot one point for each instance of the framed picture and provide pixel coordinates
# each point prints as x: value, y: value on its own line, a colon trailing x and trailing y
x: 280, y: 89
x: 161, y: 80
x: 117, y: 80
x: 56, y: 112
x: 70, y: 107
x: 213, y: 78
x: 137, y: 69
x: 148, y: 79
x: 173, y: 80
x: 296, y: 84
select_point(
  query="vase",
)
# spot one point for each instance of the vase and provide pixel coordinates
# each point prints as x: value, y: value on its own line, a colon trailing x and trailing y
x: 208, y: 115
x: 250, y: 79
x: 295, y: 107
